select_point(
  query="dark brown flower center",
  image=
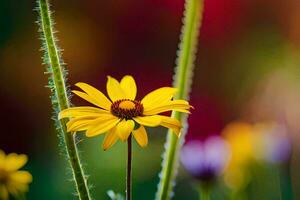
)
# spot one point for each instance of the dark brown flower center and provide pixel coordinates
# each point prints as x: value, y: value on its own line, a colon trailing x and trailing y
x: 127, y: 109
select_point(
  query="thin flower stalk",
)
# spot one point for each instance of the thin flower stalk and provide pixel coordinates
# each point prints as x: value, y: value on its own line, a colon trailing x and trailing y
x: 182, y: 81
x: 60, y: 98
x: 285, y: 182
x: 204, y: 193
x: 129, y: 169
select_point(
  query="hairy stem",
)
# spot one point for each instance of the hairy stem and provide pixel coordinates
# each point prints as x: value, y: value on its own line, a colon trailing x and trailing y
x: 182, y: 81
x: 129, y: 168
x: 60, y: 99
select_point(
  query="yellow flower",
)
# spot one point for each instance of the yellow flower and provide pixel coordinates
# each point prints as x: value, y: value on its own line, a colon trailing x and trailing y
x: 119, y: 115
x: 13, y: 180
x: 242, y: 139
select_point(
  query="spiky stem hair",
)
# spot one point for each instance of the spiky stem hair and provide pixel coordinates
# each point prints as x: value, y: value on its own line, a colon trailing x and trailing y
x: 55, y: 68
x: 182, y: 80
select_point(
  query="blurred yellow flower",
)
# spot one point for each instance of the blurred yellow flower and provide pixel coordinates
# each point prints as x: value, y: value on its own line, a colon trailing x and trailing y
x: 242, y: 140
x: 13, y: 180
x: 119, y: 115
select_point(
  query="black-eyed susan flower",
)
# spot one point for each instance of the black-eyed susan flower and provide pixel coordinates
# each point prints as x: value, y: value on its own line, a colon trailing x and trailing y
x: 12, y: 180
x: 122, y: 114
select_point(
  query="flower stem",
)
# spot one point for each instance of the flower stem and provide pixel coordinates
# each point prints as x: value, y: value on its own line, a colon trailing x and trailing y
x: 204, y: 192
x: 60, y: 98
x: 285, y: 183
x: 204, y: 195
x: 129, y: 168
x: 182, y: 81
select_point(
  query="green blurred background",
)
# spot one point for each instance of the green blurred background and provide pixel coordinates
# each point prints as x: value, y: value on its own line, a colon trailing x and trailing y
x: 248, y: 68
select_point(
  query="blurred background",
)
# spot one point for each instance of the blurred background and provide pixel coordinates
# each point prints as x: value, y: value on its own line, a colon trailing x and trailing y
x: 247, y: 79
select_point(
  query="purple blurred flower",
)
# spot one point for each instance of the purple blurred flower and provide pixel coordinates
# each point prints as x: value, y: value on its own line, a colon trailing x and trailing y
x: 276, y: 144
x: 205, y: 160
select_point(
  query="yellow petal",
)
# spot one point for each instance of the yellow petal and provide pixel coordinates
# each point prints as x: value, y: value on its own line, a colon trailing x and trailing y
x: 16, y: 189
x: 81, y: 111
x: 129, y: 87
x: 86, y: 97
x: 171, y: 123
x: 21, y: 177
x: 124, y: 128
x: 2, y: 158
x: 14, y: 161
x: 177, y: 105
x: 152, y: 121
x: 110, y: 139
x: 3, y: 192
x: 114, y: 90
x: 81, y: 123
x: 98, y: 97
x: 102, y: 125
x: 158, y: 97
x: 141, y: 136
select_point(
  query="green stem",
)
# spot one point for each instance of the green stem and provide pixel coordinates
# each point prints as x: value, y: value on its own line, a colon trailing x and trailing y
x: 129, y: 168
x: 60, y: 96
x: 204, y: 193
x: 182, y: 81
x: 285, y: 183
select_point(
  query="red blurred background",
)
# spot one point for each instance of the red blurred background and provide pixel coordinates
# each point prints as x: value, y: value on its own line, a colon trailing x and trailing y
x: 246, y: 69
